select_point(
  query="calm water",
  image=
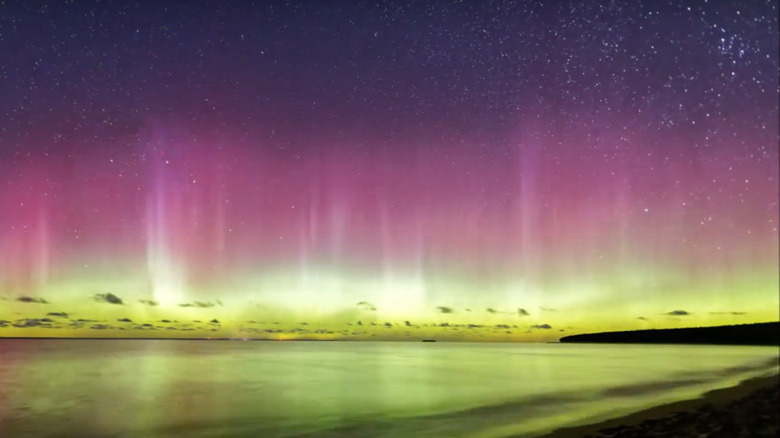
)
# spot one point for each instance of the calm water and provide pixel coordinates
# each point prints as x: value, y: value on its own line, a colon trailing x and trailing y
x: 170, y: 389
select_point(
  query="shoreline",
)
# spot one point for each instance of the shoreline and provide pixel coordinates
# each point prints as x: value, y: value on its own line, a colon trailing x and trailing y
x: 719, y: 412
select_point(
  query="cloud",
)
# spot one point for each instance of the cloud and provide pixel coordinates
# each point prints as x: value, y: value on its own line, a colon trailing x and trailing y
x: 491, y: 310
x: 387, y: 324
x: 124, y: 320
x: 407, y: 323
x: 522, y: 312
x: 678, y: 313
x: 108, y: 298
x: 542, y: 326
x: 444, y: 309
x: 728, y: 313
x: 547, y: 309
x: 58, y: 314
x: 367, y: 306
x: 214, y: 321
x: 200, y: 304
x: 642, y: 318
x: 4, y: 323
x: 31, y: 322
x: 148, y: 302
x: 100, y: 326
x: 26, y: 299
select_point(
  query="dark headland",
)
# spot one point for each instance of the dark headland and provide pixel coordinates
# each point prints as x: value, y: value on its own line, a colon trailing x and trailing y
x: 765, y: 333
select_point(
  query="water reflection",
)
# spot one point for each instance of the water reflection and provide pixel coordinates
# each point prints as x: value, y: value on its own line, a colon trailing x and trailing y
x: 220, y: 388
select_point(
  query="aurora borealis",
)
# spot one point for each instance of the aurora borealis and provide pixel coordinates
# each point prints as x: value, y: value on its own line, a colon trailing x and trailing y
x: 398, y: 170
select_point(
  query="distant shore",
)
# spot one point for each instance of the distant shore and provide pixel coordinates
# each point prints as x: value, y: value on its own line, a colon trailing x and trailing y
x: 765, y: 333
x: 750, y: 409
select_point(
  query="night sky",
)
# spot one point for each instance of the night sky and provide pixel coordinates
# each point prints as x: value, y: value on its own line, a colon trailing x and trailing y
x: 391, y: 170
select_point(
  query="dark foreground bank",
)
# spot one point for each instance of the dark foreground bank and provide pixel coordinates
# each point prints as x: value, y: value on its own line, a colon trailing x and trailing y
x: 750, y: 410
x: 765, y: 333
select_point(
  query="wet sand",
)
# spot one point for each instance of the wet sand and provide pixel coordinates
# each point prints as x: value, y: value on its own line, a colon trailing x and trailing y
x: 750, y: 409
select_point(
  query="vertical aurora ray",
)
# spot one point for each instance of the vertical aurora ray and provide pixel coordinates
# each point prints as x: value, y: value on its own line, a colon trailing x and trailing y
x: 166, y: 275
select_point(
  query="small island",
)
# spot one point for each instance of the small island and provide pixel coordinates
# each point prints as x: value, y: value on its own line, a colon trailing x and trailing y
x: 765, y: 333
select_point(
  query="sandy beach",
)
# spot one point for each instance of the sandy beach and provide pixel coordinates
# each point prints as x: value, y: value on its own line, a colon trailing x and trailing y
x: 750, y: 409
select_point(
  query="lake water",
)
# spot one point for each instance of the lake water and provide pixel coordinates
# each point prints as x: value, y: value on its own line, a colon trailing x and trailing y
x: 216, y: 389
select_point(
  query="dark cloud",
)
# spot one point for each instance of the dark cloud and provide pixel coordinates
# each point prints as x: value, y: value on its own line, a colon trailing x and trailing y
x: 30, y: 322
x: 387, y: 324
x: 678, y: 313
x: 26, y: 299
x: 58, y: 314
x: 367, y: 306
x: 200, y: 304
x: 501, y: 326
x: 467, y: 310
x: 108, y: 298
x: 4, y: 323
x: 491, y: 310
x: 542, y: 326
x: 444, y: 309
x: 360, y: 323
x: 148, y: 302
x: 124, y: 320
x: 166, y: 321
x: 728, y: 313
x: 214, y: 321
x: 642, y: 318
x: 407, y: 323
x: 100, y: 326
x: 444, y: 324
x: 522, y: 312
